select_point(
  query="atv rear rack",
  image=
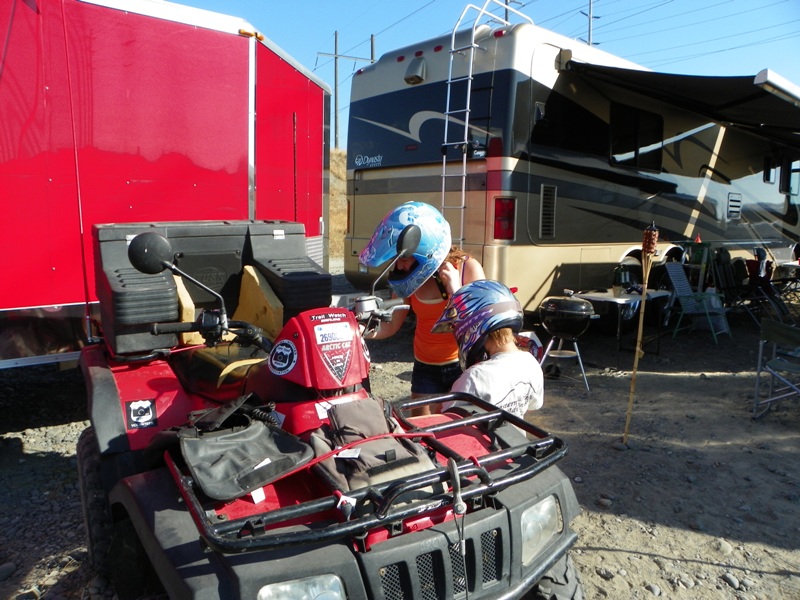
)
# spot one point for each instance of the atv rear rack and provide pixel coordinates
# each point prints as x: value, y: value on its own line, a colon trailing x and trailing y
x: 478, y: 478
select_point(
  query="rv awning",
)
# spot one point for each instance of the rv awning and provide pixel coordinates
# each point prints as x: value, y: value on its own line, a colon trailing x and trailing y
x: 765, y: 104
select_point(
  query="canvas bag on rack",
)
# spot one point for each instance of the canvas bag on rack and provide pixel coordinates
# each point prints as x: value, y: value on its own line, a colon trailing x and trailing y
x: 372, y: 462
x: 230, y: 454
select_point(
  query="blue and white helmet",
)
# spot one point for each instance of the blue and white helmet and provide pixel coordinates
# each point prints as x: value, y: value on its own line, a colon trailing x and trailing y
x: 473, y: 312
x: 433, y: 247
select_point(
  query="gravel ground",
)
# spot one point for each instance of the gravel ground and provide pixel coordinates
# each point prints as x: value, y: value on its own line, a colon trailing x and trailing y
x: 43, y: 549
x: 703, y: 504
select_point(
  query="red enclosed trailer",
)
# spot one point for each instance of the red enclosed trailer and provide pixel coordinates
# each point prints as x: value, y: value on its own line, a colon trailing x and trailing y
x: 118, y: 111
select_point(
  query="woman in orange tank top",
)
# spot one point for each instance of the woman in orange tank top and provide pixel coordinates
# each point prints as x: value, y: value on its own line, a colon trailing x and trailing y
x: 436, y: 365
x: 425, y: 279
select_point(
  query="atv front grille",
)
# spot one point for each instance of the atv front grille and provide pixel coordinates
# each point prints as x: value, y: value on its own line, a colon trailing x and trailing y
x: 444, y: 573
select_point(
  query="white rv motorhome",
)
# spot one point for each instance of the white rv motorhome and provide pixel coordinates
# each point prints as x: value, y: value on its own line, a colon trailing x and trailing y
x: 550, y: 157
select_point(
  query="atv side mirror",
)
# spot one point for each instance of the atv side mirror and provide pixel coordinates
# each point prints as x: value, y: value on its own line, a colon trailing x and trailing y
x: 408, y: 240
x: 407, y: 243
x: 150, y: 253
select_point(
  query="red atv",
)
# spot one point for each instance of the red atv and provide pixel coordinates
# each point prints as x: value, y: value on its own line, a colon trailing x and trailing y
x: 259, y: 468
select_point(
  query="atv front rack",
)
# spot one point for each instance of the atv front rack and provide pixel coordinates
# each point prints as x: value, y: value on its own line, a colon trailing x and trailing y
x: 472, y: 480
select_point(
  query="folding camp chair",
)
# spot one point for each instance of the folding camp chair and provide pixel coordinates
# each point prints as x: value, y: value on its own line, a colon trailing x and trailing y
x: 759, y: 271
x: 704, y: 307
x: 778, y: 359
x: 741, y: 291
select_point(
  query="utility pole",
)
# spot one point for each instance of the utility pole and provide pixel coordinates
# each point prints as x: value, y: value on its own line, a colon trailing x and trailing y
x: 591, y: 21
x: 336, y: 56
x: 591, y: 16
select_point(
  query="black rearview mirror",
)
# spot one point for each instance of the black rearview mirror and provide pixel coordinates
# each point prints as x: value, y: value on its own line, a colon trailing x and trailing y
x: 408, y: 240
x: 150, y: 253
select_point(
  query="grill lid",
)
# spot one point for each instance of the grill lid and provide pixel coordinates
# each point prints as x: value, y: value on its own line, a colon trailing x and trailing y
x: 566, y: 306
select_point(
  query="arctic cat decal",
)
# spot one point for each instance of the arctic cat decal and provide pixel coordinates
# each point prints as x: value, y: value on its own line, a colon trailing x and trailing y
x: 337, y: 357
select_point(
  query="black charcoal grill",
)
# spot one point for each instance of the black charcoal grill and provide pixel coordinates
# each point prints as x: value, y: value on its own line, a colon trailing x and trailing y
x: 565, y: 318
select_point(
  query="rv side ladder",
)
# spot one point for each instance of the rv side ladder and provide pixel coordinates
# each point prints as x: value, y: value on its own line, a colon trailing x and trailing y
x: 457, y: 111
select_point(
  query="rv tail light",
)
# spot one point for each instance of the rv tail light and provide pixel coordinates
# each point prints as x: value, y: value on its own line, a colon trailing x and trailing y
x: 504, y: 218
x: 495, y: 147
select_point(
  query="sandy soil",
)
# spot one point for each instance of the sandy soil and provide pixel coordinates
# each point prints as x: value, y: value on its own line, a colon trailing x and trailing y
x: 704, y: 502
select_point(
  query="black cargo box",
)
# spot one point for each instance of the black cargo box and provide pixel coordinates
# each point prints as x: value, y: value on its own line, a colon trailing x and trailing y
x: 299, y: 283
x: 212, y: 252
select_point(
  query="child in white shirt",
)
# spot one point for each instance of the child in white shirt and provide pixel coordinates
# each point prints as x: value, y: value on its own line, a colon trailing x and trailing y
x: 484, y: 316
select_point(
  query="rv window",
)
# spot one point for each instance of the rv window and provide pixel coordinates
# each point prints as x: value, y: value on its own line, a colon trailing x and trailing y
x: 769, y: 170
x: 636, y: 138
x: 790, y: 177
x: 562, y: 124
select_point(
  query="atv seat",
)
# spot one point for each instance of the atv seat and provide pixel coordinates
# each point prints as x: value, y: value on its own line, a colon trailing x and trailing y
x: 218, y: 374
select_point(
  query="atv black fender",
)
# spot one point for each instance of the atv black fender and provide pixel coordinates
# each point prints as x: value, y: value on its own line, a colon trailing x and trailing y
x: 187, y: 570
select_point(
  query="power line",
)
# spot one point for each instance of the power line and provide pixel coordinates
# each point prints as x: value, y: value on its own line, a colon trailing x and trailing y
x: 656, y: 5
x: 385, y: 29
x: 770, y: 40
x: 715, y: 20
x: 711, y: 40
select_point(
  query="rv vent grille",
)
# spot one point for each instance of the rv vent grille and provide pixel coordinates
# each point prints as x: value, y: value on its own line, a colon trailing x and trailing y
x: 547, y: 212
x: 734, y: 207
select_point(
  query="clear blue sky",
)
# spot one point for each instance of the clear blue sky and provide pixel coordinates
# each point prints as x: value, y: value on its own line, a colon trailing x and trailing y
x: 698, y: 37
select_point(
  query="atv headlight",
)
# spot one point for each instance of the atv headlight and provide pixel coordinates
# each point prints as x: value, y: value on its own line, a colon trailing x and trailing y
x: 540, y: 523
x: 319, y: 587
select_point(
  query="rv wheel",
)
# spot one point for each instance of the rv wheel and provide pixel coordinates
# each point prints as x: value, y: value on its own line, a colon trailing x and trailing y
x: 96, y: 510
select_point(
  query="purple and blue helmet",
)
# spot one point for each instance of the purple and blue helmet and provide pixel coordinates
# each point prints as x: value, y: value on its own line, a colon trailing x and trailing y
x: 433, y: 247
x: 474, y: 311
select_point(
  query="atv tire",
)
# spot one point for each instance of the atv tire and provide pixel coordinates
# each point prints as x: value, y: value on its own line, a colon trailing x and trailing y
x: 562, y: 582
x: 130, y: 570
x: 96, y: 510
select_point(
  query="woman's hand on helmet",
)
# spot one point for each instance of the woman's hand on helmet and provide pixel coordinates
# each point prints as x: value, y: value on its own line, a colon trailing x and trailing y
x: 453, y: 279
x: 450, y: 277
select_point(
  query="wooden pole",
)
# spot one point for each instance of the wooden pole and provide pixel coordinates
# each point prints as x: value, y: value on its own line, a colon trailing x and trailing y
x: 649, y: 242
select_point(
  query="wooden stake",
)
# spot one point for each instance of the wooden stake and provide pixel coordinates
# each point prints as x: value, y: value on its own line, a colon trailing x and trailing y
x: 649, y: 242
x: 639, y: 351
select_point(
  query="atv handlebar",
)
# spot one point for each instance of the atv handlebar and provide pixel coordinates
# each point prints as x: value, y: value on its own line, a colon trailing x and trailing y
x: 210, y: 325
x: 368, y: 308
x: 160, y: 328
